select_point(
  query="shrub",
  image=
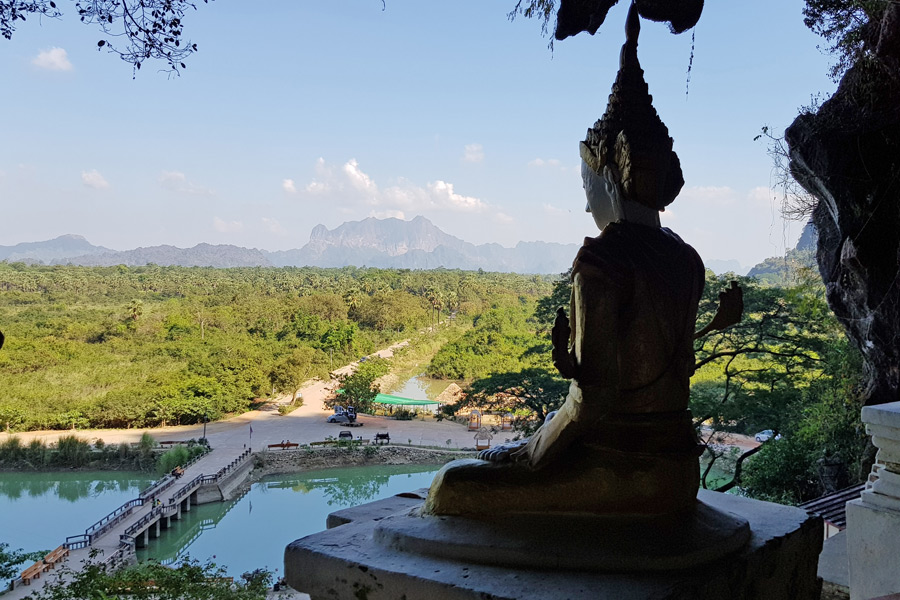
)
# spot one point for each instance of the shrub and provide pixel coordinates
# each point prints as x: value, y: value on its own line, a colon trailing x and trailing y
x: 38, y: 454
x: 404, y: 415
x: 179, y: 455
x: 11, y: 450
x: 72, y: 451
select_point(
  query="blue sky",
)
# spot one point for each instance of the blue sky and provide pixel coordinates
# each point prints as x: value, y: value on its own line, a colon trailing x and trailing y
x: 296, y: 113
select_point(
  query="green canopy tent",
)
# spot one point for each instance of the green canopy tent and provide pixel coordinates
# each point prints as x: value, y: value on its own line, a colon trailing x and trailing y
x: 398, y: 401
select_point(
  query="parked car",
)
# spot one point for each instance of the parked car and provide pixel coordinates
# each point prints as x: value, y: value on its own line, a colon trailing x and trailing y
x: 342, y: 415
x: 765, y: 435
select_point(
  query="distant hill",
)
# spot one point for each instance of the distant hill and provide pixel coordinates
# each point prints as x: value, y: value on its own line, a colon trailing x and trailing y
x: 787, y: 269
x: 201, y: 255
x: 419, y: 244
x: 385, y: 243
x: 65, y: 246
x: 720, y: 267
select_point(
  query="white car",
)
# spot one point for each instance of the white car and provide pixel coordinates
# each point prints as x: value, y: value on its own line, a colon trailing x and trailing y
x: 765, y: 435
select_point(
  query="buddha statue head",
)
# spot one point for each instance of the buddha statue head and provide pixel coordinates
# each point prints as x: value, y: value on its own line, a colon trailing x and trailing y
x: 629, y: 169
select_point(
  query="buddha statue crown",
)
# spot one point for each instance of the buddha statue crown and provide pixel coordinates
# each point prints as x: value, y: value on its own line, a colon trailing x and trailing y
x: 631, y: 138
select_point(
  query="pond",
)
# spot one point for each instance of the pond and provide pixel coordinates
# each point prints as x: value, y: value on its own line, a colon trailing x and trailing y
x: 38, y: 510
x: 419, y: 387
x: 252, y: 531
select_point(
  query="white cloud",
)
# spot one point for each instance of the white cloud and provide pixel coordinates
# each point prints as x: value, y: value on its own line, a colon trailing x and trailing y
x: 473, y: 153
x: 227, y: 226
x: 503, y: 218
x: 288, y: 186
x: 273, y: 226
x: 177, y: 181
x: 317, y: 187
x: 442, y: 194
x: 763, y: 195
x: 93, y: 179
x: 53, y: 59
x: 554, y: 210
x: 709, y: 194
x: 358, y: 179
x: 541, y: 163
x: 350, y: 184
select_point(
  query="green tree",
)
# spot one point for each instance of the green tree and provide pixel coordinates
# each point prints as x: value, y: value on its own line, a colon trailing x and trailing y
x: 545, y: 310
x: 359, y: 388
x: 303, y: 363
x: 529, y: 395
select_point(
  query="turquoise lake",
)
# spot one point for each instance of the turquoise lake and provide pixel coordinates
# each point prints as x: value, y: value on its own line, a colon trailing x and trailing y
x: 38, y: 511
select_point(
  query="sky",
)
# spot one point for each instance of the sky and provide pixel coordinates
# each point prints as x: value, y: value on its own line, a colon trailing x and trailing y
x: 295, y: 113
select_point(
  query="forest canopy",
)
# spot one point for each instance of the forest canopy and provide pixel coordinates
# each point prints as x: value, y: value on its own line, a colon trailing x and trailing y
x: 147, y: 346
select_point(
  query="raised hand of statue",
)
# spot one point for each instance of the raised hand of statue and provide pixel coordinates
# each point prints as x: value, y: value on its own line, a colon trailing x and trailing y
x: 562, y: 358
x: 731, y: 308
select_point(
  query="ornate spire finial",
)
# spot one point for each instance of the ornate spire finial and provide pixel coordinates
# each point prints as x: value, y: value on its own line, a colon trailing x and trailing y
x: 630, y: 137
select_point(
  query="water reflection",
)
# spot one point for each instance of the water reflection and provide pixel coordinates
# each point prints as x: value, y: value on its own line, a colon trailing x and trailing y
x: 68, y: 486
x: 354, y: 486
x: 38, y: 510
x: 276, y: 511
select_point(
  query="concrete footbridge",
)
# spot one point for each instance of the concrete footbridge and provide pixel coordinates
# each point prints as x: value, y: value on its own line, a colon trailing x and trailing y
x: 113, y: 539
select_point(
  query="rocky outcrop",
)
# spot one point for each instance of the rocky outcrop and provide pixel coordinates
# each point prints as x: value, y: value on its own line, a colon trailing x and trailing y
x: 847, y: 155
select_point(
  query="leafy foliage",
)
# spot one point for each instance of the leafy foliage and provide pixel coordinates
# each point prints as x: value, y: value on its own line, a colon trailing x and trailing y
x: 189, y: 580
x: 500, y: 341
x: 529, y: 395
x: 135, y: 30
x: 147, y: 346
x: 847, y: 25
x: 360, y: 387
x: 10, y: 560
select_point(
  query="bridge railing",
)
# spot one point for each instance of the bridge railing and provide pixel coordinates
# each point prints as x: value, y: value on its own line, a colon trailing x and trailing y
x: 157, y: 487
x: 149, y: 517
x: 121, y: 553
x: 112, y: 519
x: 74, y: 542
x: 233, y: 464
x: 186, y: 489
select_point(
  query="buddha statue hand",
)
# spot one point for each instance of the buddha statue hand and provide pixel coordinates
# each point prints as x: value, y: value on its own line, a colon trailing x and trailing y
x: 730, y: 311
x: 508, y: 452
x: 731, y: 307
x: 563, y: 359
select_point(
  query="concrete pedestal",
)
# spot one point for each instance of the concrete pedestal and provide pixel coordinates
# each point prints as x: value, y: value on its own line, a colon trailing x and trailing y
x: 873, y: 521
x: 777, y: 562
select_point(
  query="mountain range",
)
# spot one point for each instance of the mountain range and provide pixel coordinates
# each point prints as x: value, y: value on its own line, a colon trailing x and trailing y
x: 385, y: 243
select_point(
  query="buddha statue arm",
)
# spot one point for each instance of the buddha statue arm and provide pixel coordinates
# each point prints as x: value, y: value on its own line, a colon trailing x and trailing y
x: 595, y: 312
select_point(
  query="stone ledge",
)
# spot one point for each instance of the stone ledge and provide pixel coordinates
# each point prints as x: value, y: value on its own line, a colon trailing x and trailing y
x: 778, y: 563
